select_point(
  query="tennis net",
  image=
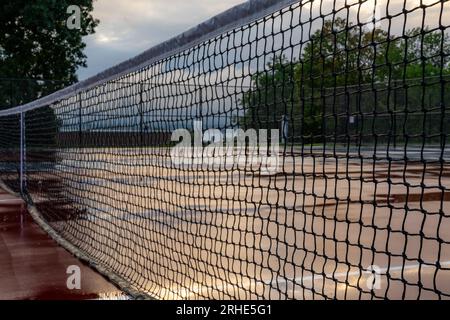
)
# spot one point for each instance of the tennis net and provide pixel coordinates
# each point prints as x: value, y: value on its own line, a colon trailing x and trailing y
x: 281, y: 150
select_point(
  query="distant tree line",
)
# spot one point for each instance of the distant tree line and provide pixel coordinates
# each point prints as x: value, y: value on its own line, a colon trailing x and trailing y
x: 348, y: 80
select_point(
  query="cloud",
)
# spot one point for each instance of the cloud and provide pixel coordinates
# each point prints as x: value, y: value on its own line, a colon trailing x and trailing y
x: 129, y: 27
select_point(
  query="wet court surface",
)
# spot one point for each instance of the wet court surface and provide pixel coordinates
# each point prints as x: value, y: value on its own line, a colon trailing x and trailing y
x: 33, y: 266
x: 316, y: 229
x: 313, y: 230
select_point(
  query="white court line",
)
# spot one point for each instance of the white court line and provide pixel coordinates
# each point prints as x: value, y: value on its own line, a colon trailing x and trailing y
x: 333, y: 276
x: 197, y: 288
x: 11, y: 200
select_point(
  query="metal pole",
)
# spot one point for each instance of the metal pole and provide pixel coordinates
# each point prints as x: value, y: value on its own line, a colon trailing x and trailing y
x: 201, y: 104
x: 22, y: 153
x: 284, y: 129
x: 80, y: 133
x: 395, y: 115
x: 141, y: 115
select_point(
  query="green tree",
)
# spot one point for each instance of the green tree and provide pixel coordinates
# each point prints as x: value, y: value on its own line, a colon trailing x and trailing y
x: 36, y: 43
x: 319, y: 91
x: 273, y: 93
x: 427, y: 53
x: 275, y: 98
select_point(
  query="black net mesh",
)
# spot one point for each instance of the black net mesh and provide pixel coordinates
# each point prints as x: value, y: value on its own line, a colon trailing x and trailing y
x: 357, y: 207
x: 10, y: 151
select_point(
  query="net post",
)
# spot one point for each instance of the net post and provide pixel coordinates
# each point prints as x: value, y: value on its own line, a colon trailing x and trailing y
x: 22, y: 153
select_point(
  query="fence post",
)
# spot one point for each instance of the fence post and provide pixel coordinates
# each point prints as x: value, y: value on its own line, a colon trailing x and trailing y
x: 80, y: 119
x: 141, y: 116
x: 395, y: 114
x: 284, y: 129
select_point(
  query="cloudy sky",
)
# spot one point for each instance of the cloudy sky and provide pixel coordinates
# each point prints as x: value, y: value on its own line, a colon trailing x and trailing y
x: 129, y: 27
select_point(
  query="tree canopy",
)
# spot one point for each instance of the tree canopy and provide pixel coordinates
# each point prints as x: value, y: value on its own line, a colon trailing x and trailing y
x: 35, y: 42
x: 339, y: 55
